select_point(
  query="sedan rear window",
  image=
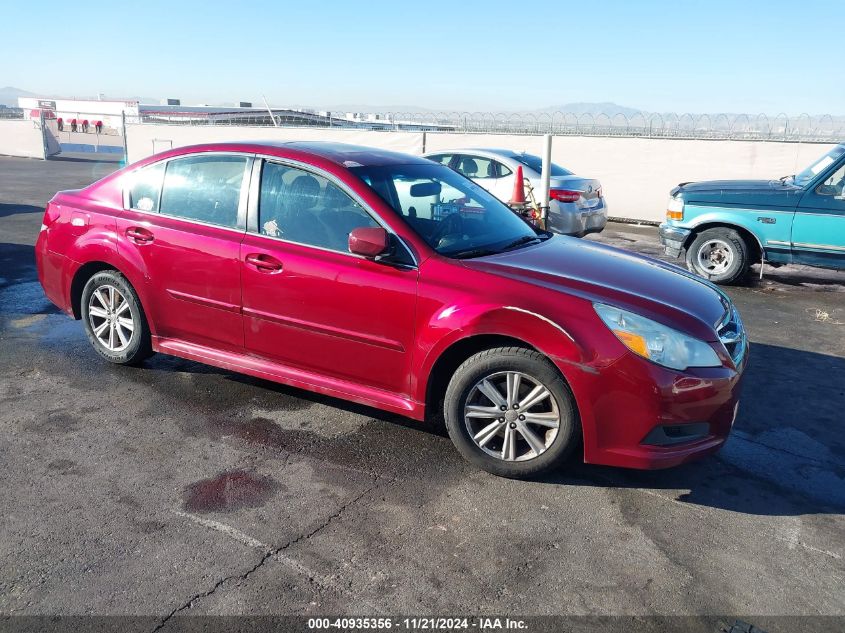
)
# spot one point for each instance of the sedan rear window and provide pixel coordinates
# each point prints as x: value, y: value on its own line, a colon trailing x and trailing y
x: 536, y: 163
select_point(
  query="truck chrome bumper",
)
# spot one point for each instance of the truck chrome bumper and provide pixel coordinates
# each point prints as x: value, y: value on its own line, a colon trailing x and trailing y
x: 673, y: 238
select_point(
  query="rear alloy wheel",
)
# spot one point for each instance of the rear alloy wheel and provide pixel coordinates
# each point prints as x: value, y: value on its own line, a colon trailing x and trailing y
x: 113, y: 319
x: 510, y: 412
x: 720, y: 255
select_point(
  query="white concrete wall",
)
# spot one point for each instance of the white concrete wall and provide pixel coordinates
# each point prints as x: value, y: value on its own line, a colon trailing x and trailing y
x: 21, y: 138
x: 636, y: 174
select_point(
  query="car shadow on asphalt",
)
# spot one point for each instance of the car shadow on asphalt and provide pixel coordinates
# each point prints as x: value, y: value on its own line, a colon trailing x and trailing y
x: 17, y: 261
x: 7, y: 209
x: 785, y: 456
x: 795, y: 277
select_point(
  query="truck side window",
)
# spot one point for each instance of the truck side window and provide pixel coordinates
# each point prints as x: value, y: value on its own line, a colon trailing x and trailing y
x: 834, y: 185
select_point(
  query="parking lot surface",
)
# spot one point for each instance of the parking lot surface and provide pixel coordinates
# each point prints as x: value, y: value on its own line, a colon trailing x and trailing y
x: 177, y: 488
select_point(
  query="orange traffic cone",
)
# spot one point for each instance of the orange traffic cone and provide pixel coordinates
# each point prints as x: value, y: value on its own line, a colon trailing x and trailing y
x: 518, y: 196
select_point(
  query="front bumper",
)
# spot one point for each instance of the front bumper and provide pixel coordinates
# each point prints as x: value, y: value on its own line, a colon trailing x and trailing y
x: 673, y: 238
x: 636, y: 414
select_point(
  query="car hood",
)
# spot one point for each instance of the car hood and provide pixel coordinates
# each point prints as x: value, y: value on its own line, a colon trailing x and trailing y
x: 600, y: 273
x: 740, y: 192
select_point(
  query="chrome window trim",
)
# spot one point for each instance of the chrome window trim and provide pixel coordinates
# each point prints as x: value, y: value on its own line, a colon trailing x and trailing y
x: 240, y: 229
x: 825, y: 212
x: 255, y: 193
x: 827, y: 247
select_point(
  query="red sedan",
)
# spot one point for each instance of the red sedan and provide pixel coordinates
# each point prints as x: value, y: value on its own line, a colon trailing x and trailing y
x: 395, y: 282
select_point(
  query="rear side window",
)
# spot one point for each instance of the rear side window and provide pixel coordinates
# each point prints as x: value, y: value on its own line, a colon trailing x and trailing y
x: 443, y: 159
x: 502, y: 170
x: 204, y: 188
x: 145, y: 188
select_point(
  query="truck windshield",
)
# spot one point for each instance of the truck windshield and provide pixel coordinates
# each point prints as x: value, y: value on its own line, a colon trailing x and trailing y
x: 819, y: 166
x: 456, y: 217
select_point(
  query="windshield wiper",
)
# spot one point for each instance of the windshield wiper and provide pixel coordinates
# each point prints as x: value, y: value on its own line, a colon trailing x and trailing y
x: 524, y: 240
x: 783, y: 179
x: 485, y: 250
x: 473, y: 252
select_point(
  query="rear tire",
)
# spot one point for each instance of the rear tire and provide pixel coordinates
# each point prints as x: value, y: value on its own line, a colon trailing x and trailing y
x: 114, y: 320
x: 720, y: 255
x: 510, y: 412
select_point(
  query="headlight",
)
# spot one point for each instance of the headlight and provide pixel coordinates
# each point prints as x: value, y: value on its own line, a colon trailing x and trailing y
x: 675, y: 209
x: 656, y: 342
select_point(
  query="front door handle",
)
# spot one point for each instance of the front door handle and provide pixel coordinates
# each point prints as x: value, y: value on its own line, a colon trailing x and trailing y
x: 264, y: 263
x: 139, y: 235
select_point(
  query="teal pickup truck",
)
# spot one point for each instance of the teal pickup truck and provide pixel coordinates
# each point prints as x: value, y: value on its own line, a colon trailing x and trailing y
x: 722, y: 227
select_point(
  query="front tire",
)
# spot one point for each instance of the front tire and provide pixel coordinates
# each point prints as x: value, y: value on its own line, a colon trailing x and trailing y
x: 114, y: 320
x: 720, y: 255
x: 510, y: 412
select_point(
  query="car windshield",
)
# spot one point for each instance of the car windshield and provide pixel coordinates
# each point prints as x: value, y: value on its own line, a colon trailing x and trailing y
x: 536, y: 163
x: 819, y: 166
x: 456, y: 217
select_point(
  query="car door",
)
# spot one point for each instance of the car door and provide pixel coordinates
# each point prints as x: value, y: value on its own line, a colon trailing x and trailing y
x: 818, y: 230
x: 310, y: 303
x: 184, y: 220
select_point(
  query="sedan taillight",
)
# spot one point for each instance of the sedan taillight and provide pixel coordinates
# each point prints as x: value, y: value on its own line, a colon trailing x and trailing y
x: 564, y: 195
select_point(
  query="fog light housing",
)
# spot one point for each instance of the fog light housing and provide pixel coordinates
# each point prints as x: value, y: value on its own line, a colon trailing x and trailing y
x: 669, y: 434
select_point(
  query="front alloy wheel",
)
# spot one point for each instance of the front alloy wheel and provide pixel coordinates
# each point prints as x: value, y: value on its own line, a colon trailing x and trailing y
x: 511, y: 416
x: 509, y: 411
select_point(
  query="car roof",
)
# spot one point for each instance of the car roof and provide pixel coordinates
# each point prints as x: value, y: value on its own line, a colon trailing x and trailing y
x: 498, y: 151
x: 343, y: 154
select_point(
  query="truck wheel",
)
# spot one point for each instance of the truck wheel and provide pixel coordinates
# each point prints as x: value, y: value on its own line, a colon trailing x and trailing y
x: 509, y: 412
x: 720, y: 255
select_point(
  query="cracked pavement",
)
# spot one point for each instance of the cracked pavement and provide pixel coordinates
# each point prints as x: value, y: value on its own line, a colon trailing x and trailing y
x: 177, y: 488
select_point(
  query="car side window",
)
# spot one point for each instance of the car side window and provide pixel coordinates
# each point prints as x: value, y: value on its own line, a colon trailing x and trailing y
x: 145, y: 188
x: 302, y: 207
x: 834, y: 185
x: 476, y: 167
x: 502, y: 170
x: 204, y: 188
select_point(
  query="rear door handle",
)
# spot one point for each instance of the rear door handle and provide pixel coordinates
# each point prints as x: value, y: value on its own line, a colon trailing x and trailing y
x: 139, y: 235
x: 264, y: 263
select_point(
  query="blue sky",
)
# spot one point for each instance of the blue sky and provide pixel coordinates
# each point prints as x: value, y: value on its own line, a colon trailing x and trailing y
x: 684, y: 56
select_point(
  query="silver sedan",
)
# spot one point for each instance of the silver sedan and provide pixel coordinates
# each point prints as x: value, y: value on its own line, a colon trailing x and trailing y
x: 576, y: 204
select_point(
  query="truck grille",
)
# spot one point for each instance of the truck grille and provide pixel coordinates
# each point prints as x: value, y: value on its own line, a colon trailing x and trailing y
x: 732, y: 334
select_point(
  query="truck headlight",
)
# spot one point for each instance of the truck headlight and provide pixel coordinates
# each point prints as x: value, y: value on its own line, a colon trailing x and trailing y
x: 656, y: 342
x: 675, y: 209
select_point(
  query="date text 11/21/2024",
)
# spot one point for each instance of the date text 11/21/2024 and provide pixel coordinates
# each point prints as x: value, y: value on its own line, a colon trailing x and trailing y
x: 418, y: 624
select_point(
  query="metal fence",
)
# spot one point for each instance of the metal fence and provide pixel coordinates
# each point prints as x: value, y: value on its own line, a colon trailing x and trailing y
x: 804, y: 127
x: 824, y: 128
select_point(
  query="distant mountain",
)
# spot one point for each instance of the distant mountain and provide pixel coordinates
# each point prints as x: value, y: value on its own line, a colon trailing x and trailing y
x: 607, y: 108
x: 9, y: 95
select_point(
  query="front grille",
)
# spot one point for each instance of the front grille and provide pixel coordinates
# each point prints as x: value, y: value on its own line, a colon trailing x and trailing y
x: 732, y: 334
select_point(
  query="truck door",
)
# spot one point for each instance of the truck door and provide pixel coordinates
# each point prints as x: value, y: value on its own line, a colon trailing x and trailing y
x: 818, y: 231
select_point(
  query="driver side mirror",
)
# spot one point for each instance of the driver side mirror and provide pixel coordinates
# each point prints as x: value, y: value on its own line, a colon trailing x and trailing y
x: 368, y: 241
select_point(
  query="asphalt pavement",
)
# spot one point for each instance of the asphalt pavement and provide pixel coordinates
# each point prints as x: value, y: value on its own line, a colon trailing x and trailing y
x: 177, y: 488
